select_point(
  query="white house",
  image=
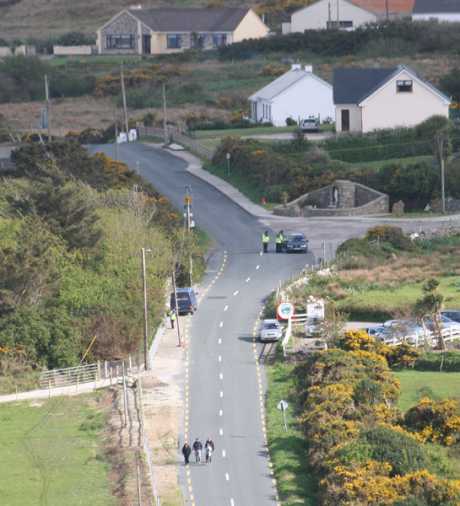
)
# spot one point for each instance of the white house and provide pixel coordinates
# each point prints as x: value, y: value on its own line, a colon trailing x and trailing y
x: 442, y: 10
x: 323, y: 14
x: 375, y: 98
x: 297, y: 94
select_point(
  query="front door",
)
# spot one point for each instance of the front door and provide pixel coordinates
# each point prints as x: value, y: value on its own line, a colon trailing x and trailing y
x: 345, y: 120
x: 146, y: 44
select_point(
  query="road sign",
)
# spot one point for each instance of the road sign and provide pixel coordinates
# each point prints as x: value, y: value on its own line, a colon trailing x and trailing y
x: 282, y: 405
x: 285, y: 310
x: 315, y: 309
x: 187, y: 199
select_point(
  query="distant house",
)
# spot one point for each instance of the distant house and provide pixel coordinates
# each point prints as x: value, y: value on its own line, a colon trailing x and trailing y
x: 442, y: 10
x: 297, y: 94
x: 170, y: 30
x: 375, y: 98
x: 345, y: 14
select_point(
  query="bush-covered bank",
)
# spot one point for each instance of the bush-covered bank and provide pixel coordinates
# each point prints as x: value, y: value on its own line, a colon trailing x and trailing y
x: 379, y: 39
x: 285, y: 170
x: 361, y: 449
x: 72, y: 227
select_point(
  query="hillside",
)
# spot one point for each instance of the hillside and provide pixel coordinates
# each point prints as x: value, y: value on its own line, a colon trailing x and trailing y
x: 43, y: 18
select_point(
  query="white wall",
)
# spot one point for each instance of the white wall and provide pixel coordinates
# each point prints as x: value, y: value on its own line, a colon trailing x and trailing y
x: 316, y: 16
x: 250, y: 27
x: 389, y: 109
x: 72, y: 50
x: 5, y: 51
x: 355, y: 117
x: 453, y: 17
x: 308, y: 97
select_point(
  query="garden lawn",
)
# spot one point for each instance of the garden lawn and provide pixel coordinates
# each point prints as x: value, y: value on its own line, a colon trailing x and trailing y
x: 51, y: 453
x: 241, y: 132
x: 418, y: 384
x: 288, y: 450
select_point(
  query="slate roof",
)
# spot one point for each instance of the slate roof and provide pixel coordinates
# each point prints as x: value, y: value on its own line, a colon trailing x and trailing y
x: 380, y: 6
x: 283, y: 82
x: 436, y: 6
x: 353, y: 85
x: 219, y: 19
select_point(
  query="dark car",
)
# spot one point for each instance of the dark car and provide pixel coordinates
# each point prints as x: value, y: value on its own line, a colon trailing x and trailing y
x: 186, y: 301
x: 295, y: 243
x: 452, y: 314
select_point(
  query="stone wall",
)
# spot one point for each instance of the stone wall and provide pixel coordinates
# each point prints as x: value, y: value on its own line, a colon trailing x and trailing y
x: 341, y: 198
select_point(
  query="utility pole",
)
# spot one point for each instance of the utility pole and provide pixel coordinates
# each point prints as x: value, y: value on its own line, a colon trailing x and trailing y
x: 146, y: 325
x: 47, y: 97
x: 440, y: 140
x: 116, y: 138
x: 387, y: 9
x: 165, y: 119
x: 123, y: 93
x: 338, y: 15
x: 188, y: 225
x: 179, y: 339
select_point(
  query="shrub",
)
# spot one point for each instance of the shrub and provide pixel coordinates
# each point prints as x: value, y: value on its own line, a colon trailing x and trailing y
x: 436, y: 421
x: 392, y: 235
x: 291, y: 122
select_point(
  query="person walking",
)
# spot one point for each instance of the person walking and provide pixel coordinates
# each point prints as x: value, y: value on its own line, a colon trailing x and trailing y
x: 197, y: 447
x: 172, y: 317
x: 265, y: 241
x: 186, y: 451
x: 209, y: 449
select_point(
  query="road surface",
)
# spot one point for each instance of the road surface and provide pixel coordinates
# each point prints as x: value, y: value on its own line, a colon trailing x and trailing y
x: 225, y: 391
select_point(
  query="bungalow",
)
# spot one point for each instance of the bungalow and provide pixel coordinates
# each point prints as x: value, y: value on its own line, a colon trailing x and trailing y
x: 170, y: 30
x: 345, y: 14
x: 298, y: 94
x: 375, y: 98
x: 442, y: 10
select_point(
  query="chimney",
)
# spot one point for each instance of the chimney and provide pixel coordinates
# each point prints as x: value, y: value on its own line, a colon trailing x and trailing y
x: 308, y: 68
x: 296, y: 66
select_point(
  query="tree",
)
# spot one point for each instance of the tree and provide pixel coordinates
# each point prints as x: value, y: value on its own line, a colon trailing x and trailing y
x: 450, y: 83
x: 430, y: 304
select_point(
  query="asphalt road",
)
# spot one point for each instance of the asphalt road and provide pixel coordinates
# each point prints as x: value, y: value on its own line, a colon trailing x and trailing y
x: 225, y: 391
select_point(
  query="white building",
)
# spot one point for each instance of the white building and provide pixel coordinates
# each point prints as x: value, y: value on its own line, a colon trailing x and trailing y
x: 298, y: 94
x: 441, y: 10
x: 376, y: 98
x: 323, y: 14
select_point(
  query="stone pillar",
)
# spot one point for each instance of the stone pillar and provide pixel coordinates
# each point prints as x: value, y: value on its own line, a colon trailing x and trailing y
x: 346, y: 190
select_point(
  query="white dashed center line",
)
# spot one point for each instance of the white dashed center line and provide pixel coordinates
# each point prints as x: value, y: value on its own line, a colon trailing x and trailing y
x: 221, y: 413
x: 257, y: 267
x: 232, y: 502
x: 225, y: 308
x: 221, y: 432
x: 221, y: 394
x: 236, y: 292
x: 221, y: 324
x: 224, y: 454
x: 227, y: 476
x: 248, y: 279
x: 221, y: 376
x: 219, y: 340
x: 219, y: 358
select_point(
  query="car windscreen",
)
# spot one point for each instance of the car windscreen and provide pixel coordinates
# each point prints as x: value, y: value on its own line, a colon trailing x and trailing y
x: 183, y: 296
x: 271, y: 326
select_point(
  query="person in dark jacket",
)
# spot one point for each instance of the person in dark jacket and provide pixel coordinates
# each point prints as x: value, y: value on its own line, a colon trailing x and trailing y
x: 209, y: 448
x: 197, y: 447
x: 186, y: 451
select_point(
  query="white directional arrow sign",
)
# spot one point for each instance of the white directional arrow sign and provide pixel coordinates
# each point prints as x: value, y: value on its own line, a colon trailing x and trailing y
x: 282, y: 406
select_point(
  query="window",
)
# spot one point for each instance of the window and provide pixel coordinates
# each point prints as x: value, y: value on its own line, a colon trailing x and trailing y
x: 174, y: 41
x: 120, y: 41
x: 219, y: 39
x: 404, y: 86
x: 342, y: 24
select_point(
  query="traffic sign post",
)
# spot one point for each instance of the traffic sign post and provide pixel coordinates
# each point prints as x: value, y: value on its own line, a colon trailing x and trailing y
x: 282, y: 406
x: 284, y: 311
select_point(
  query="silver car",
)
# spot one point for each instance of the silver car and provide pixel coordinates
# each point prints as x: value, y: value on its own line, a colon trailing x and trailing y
x: 271, y: 331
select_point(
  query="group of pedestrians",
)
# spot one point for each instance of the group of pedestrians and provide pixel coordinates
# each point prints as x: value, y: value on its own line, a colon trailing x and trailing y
x: 279, y: 241
x: 197, y: 450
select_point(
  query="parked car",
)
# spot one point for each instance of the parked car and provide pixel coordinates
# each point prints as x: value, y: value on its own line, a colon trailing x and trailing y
x: 295, y: 242
x: 313, y: 327
x: 309, y: 125
x: 271, y: 330
x: 186, y: 301
x: 452, y: 314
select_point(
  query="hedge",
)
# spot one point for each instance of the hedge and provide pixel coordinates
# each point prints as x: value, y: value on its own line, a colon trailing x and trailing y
x: 432, y: 361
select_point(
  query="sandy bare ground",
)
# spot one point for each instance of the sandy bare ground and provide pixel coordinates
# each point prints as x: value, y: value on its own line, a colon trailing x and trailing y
x: 163, y: 415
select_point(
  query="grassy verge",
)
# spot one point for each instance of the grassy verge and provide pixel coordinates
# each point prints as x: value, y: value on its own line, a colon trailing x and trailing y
x: 52, y: 453
x: 288, y: 450
x: 241, y: 132
x: 418, y: 384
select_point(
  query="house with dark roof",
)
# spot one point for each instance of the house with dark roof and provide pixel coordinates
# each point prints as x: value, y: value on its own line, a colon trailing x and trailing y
x: 441, y: 10
x: 297, y: 94
x: 368, y: 99
x: 171, y: 30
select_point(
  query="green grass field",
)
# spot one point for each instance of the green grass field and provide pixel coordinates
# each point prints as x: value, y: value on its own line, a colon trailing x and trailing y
x: 288, y: 450
x: 241, y: 132
x: 418, y: 384
x: 51, y: 453
x: 395, y: 299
